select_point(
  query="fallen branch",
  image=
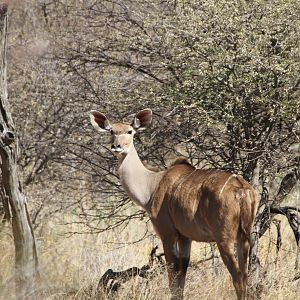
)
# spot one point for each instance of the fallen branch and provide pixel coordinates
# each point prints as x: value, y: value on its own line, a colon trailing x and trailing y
x: 111, y: 281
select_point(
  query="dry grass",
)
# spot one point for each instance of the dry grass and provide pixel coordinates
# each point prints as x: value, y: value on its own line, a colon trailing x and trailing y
x: 71, y: 266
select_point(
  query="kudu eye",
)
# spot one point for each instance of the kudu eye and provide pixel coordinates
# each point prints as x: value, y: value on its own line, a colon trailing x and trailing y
x: 129, y: 132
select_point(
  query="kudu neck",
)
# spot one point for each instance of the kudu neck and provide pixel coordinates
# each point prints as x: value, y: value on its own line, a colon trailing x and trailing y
x: 139, y: 182
x: 131, y: 158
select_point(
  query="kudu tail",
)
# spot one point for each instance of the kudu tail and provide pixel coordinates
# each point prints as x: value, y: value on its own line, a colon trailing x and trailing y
x: 248, y: 201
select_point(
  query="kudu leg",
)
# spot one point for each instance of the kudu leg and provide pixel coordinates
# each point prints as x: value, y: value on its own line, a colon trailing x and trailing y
x: 227, y: 254
x: 177, y: 254
x: 243, y: 248
x: 184, y: 248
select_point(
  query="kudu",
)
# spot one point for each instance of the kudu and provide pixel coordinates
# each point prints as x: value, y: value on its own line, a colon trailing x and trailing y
x: 186, y: 204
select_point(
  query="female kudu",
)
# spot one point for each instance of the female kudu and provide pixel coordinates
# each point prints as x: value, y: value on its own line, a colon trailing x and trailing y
x: 186, y: 204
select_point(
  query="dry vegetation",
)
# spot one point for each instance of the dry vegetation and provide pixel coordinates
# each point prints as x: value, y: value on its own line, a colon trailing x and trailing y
x: 71, y: 266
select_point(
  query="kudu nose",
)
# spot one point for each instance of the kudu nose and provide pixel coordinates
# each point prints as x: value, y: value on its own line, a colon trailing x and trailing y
x: 113, y: 146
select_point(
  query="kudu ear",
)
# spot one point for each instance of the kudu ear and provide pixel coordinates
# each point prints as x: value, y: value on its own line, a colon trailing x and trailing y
x: 99, y: 121
x: 142, y: 119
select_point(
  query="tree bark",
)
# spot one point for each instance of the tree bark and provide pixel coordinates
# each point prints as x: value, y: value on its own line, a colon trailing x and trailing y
x: 26, y: 263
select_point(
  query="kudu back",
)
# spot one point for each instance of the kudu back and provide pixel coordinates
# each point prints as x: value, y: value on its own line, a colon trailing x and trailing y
x: 186, y: 204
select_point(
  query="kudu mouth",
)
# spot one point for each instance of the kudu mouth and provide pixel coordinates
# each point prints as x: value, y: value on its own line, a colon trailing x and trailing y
x: 117, y: 149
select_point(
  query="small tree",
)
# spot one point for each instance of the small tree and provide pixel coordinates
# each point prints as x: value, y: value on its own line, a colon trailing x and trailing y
x: 10, y: 187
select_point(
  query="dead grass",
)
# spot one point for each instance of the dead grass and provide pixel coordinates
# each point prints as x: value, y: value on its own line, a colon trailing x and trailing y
x: 71, y: 266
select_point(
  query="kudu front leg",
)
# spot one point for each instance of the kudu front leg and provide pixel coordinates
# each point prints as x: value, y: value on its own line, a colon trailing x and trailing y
x: 177, y: 254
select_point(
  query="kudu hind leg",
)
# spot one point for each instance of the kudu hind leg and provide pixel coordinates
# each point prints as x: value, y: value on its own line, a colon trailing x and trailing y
x: 243, y: 248
x: 177, y: 254
x: 227, y: 254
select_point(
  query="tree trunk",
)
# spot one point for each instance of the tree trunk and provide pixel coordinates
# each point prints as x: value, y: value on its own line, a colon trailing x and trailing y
x: 254, y: 262
x: 265, y: 214
x: 26, y: 271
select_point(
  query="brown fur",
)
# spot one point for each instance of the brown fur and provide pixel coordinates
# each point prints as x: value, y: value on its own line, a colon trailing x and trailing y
x: 205, y: 206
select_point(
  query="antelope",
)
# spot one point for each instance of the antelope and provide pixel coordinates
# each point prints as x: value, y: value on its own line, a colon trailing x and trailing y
x: 186, y: 204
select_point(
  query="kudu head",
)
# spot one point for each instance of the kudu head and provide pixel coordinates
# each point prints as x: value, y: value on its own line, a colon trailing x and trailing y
x: 121, y: 133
